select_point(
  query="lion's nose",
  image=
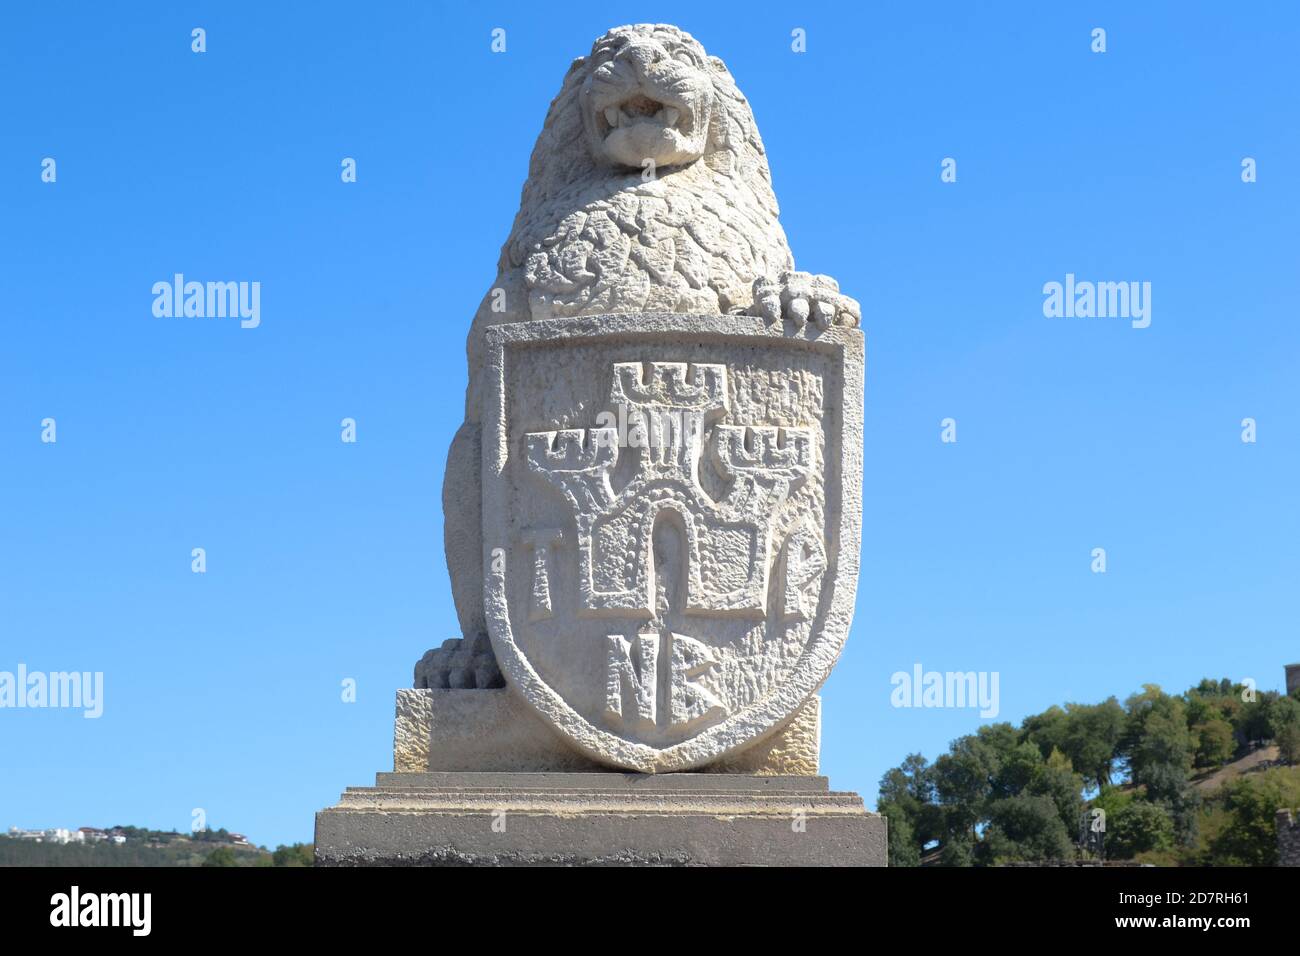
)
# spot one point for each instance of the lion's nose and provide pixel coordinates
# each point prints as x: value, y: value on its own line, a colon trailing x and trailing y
x: 643, y: 55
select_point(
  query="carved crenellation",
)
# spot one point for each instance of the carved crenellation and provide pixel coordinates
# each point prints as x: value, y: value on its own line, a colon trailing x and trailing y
x: 763, y: 463
x: 701, y: 388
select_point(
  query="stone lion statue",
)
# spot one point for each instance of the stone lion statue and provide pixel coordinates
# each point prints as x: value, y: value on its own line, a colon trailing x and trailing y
x: 648, y: 191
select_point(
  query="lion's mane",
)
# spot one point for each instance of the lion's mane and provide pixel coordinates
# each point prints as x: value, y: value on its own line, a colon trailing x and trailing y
x: 594, y: 239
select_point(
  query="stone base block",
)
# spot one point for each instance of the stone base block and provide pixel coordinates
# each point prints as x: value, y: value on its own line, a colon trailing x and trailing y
x: 598, y: 819
x: 495, y: 730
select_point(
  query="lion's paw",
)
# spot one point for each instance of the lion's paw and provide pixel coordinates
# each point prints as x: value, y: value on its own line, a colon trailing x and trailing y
x: 801, y: 296
x: 459, y: 665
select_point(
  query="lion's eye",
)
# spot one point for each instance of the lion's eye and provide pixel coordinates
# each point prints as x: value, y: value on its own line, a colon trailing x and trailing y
x: 687, y: 57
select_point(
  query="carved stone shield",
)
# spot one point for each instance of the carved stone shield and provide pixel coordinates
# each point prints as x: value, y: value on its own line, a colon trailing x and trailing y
x: 671, y: 520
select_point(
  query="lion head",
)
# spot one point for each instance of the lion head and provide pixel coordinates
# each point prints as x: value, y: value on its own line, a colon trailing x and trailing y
x: 648, y: 95
x: 649, y: 92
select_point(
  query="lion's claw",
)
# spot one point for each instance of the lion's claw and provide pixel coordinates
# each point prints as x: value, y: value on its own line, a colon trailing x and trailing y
x: 798, y: 296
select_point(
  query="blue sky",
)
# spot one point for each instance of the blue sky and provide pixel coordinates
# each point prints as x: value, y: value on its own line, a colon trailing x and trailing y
x: 324, y: 559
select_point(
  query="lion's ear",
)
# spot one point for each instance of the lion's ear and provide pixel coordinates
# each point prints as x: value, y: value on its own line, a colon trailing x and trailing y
x: 576, y: 64
x: 717, y: 64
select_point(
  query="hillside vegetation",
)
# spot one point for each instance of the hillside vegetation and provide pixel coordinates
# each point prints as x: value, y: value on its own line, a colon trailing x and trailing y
x: 1165, y: 779
x: 153, y: 848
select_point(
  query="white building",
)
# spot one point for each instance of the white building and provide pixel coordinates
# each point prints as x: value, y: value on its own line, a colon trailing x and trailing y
x: 52, y: 835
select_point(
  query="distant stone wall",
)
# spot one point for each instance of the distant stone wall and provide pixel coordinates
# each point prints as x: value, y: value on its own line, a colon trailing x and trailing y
x: 1288, y: 839
x: 1292, y: 678
x: 1075, y: 863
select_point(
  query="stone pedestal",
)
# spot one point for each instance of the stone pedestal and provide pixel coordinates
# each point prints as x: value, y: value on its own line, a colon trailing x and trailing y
x: 496, y: 730
x: 598, y: 819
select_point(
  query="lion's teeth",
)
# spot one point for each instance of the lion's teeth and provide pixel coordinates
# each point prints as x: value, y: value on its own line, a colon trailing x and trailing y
x: 611, y: 116
x: 670, y: 116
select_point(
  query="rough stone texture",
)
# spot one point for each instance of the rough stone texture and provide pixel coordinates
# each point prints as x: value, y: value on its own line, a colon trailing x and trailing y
x: 462, y: 730
x: 598, y: 819
x: 1288, y: 839
x: 794, y: 751
x: 465, y: 730
x: 649, y: 199
x: 411, y: 730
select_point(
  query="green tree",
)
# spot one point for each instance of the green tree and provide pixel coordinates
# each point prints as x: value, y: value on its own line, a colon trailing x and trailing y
x: 297, y: 854
x: 1137, y: 827
x: 903, y: 848
x: 910, y: 780
x: 958, y: 849
x: 1046, y: 731
x: 963, y: 783
x: 1024, y: 827
x: 1113, y: 799
x: 1092, y: 733
x: 1252, y: 803
x: 221, y: 856
x: 1284, y: 712
x: 1057, y: 781
x: 1012, y: 760
x: 1215, y: 742
x: 1288, y: 744
x: 908, y: 790
x: 1255, y: 720
x: 1162, y: 749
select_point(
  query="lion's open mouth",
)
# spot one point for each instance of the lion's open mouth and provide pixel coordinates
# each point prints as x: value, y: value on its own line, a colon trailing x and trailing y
x: 640, y: 108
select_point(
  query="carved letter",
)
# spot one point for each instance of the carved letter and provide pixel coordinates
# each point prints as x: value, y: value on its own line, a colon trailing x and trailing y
x: 541, y: 541
x: 805, y: 560
x: 639, y: 677
x: 689, y: 702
